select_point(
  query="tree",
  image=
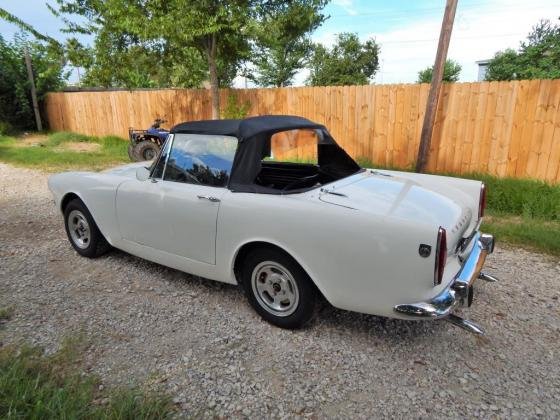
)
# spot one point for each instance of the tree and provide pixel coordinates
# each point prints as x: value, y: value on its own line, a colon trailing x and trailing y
x: 15, y: 100
x: 348, y: 62
x: 46, y: 59
x: 281, y: 39
x: 537, y: 58
x: 451, y: 72
x: 151, y: 40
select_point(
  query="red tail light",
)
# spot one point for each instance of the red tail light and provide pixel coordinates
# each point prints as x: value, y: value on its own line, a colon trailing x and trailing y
x: 482, y: 201
x: 441, y: 255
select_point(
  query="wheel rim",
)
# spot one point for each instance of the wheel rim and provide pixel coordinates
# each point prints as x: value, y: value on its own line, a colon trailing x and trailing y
x: 79, y: 229
x: 149, y: 154
x: 275, y: 288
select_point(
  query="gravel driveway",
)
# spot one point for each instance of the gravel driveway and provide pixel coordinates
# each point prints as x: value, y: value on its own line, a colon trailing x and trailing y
x: 200, y: 341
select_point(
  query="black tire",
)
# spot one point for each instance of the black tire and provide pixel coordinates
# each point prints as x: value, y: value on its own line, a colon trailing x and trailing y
x: 265, y: 261
x: 145, y: 150
x: 90, y: 245
x: 131, y: 152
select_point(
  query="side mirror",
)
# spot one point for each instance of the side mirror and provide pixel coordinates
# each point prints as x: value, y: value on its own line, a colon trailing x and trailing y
x: 142, y: 174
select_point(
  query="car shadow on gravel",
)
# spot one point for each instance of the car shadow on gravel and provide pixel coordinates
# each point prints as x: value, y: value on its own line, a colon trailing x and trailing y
x: 328, y: 318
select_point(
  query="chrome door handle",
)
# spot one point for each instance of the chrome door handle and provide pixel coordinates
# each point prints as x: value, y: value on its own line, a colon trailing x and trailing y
x: 209, y: 198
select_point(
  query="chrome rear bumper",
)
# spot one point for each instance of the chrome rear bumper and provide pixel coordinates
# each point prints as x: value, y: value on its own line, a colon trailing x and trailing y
x: 457, y: 293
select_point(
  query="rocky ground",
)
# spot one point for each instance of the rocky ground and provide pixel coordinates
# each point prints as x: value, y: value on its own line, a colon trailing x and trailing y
x: 201, y: 342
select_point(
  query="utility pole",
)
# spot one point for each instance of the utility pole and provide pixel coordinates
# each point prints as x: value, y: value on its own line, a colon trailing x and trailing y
x: 33, y: 90
x: 435, y: 88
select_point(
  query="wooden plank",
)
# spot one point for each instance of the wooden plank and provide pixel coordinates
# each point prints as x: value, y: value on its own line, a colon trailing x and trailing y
x: 411, y: 131
x: 471, y: 115
x: 489, y: 120
x: 448, y: 126
x: 517, y: 121
x: 527, y: 131
x: 349, y: 122
x: 399, y: 139
x: 550, y: 153
x: 390, y: 145
x: 381, y: 127
x: 369, y: 106
x: 497, y: 131
x: 538, y: 128
x: 546, y: 157
x: 505, y: 141
x: 461, y: 120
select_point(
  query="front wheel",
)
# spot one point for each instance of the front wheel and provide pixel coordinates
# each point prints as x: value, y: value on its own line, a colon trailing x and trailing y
x: 278, y: 288
x: 145, y: 150
x: 83, y: 233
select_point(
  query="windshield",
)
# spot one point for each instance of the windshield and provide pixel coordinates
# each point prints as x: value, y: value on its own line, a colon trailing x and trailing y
x: 200, y: 159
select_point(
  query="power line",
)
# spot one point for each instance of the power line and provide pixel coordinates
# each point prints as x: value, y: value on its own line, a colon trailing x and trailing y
x: 414, y: 41
x: 438, y: 10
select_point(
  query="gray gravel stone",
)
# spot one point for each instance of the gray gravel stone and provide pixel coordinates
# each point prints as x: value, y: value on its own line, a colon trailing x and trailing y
x: 200, y: 341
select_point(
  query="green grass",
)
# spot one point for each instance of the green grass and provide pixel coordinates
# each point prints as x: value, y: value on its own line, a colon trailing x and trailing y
x: 33, y: 385
x: 534, y: 234
x: 6, y: 313
x: 58, y: 151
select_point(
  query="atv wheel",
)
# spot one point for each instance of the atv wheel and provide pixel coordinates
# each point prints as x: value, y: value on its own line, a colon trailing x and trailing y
x: 145, y: 150
x: 131, y: 152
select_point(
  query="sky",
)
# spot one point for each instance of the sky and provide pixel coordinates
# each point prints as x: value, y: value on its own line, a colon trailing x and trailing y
x: 407, y: 31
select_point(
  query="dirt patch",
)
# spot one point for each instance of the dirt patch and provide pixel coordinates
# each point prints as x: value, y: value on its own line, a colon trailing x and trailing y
x: 31, y: 140
x: 75, y: 146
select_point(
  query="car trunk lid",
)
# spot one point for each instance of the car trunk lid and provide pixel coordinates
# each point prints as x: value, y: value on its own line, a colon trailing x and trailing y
x: 391, y: 196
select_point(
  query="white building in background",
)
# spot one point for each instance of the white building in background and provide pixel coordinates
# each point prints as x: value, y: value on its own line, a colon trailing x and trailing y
x: 482, y: 69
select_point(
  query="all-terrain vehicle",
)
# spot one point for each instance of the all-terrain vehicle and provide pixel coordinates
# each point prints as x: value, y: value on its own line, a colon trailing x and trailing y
x: 145, y: 144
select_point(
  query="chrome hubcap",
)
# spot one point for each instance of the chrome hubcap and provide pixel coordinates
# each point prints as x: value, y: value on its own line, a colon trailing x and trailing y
x: 79, y: 229
x: 149, y: 154
x: 275, y: 288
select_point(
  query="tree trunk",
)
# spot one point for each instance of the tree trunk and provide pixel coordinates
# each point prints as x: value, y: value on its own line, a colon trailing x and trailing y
x: 33, y: 90
x: 213, y: 72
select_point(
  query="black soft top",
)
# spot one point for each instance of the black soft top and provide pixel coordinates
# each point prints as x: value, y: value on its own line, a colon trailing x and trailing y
x: 254, y: 135
x: 248, y: 127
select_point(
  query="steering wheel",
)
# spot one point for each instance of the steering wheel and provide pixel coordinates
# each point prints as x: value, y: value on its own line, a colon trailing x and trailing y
x: 300, y: 181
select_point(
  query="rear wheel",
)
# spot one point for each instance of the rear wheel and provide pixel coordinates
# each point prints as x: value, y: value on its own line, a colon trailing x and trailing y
x: 278, y: 288
x: 83, y: 233
x: 145, y: 150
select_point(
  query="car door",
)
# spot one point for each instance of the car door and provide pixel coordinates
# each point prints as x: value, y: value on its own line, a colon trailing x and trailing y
x: 176, y: 209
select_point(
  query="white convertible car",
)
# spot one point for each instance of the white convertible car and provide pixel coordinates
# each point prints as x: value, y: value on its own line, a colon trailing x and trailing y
x: 214, y: 204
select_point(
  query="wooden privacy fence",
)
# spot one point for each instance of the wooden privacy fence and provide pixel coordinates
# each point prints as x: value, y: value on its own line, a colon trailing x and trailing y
x: 501, y: 128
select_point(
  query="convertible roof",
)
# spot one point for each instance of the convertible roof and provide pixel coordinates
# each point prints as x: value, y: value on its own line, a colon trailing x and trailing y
x: 248, y: 127
x: 254, y: 137
x: 217, y: 127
